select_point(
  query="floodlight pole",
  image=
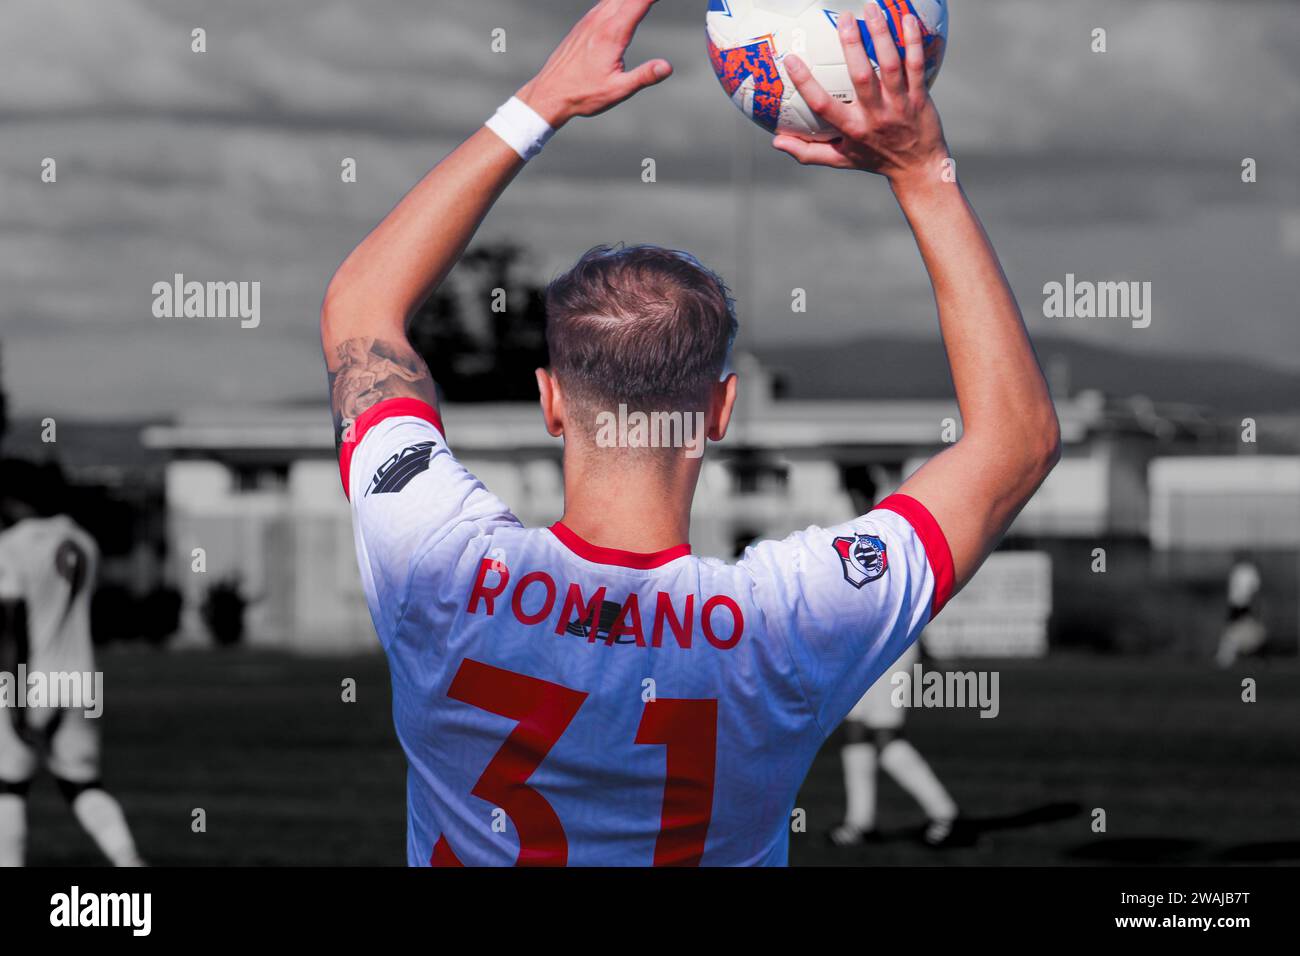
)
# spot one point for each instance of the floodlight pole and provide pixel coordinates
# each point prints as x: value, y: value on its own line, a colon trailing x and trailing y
x: 742, y: 177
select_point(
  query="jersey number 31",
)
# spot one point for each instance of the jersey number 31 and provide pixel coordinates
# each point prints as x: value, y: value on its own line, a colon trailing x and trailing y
x: 543, y: 711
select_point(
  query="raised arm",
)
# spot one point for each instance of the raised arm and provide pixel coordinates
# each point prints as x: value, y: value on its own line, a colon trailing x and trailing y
x: 1011, y: 438
x: 399, y: 265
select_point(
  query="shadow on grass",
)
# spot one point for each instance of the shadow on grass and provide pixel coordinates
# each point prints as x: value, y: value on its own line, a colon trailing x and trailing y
x: 1171, y: 850
x: 1154, y: 850
x: 1272, y: 851
x: 970, y: 829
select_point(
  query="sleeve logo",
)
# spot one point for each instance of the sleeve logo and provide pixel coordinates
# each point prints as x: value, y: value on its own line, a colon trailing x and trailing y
x: 863, y: 557
x: 400, y: 470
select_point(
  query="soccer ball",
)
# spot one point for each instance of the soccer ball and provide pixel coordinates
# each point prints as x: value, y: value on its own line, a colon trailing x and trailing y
x: 749, y: 40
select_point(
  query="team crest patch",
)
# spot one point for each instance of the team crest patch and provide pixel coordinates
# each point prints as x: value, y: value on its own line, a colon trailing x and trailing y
x: 863, y: 557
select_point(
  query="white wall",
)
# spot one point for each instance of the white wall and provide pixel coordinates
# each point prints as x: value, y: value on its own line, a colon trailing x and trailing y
x: 1225, y: 503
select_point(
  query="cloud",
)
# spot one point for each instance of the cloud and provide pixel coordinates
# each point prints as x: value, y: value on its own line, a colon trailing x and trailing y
x: 225, y: 165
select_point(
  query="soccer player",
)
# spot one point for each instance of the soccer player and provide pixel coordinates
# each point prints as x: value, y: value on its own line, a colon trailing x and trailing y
x: 47, y: 574
x: 536, y: 732
x: 873, y: 737
x: 1243, y: 633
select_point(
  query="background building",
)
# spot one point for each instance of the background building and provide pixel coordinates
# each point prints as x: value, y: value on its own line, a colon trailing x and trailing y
x: 259, y: 492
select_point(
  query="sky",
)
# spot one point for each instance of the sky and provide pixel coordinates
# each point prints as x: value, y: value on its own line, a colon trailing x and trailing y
x: 224, y: 166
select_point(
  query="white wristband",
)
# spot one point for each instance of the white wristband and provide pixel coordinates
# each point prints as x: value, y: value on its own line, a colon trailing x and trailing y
x: 522, y: 129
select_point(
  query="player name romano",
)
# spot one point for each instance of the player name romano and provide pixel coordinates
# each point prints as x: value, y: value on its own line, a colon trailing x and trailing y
x: 64, y: 690
x: 534, y: 597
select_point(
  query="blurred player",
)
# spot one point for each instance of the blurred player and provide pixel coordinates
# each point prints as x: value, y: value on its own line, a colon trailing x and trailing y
x: 47, y: 574
x: 873, y: 738
x: 1243, y: 633
x: 537, y: 732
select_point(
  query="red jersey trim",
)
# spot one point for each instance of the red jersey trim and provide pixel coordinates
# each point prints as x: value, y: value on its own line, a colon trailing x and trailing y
x: 623, y: 559
x: 393, y: 408
x: 933, y: 540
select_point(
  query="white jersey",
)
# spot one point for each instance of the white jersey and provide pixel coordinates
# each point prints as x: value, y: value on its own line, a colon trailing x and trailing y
x: 1243, y: 585
x: 50, y: 564
x: 877, y: 709
x: 561, y: 702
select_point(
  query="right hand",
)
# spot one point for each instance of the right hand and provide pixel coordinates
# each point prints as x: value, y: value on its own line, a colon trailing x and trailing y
x: 893, y: 127
x: 585, y: 75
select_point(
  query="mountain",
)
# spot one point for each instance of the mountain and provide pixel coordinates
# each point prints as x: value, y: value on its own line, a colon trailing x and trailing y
x: 903, y: 367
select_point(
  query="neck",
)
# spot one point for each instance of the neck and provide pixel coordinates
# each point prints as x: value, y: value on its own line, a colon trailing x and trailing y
x: 633, y: 506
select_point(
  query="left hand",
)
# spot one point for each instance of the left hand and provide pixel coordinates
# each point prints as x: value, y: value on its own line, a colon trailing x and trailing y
x: 892, y: 127
x: 585, y: 75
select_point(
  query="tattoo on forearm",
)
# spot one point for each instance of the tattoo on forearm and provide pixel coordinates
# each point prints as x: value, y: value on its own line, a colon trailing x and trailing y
x: 364, y: 372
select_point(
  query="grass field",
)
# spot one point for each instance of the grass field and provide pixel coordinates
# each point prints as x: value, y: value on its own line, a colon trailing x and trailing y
x: 288, y: 774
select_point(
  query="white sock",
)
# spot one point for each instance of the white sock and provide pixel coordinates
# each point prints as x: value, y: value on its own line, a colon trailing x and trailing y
x: 860, y: 784
x: 101, y: 816
x: 1227, y: 653
x: 902, y: 762
x: 13, y: 829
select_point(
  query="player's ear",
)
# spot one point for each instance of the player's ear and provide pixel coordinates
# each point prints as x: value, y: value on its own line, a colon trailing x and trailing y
x: 552, y: 402
x: 721, y: 405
